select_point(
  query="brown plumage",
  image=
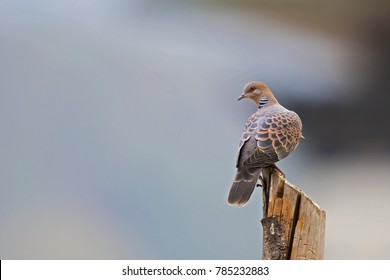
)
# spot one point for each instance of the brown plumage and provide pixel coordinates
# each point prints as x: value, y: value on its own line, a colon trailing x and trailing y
x: 270, y: 135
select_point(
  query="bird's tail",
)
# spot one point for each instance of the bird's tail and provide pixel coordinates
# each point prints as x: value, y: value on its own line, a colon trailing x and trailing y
x: 243, y: 186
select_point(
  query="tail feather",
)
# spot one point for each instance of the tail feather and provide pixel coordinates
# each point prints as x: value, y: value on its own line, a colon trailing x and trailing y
x: 243, y: 186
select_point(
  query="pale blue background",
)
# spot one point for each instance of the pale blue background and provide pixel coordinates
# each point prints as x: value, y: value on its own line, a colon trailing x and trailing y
x: 119, y: 127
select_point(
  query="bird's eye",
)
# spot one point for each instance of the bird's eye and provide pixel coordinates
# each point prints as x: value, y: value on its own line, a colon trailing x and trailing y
x: 252, y: 88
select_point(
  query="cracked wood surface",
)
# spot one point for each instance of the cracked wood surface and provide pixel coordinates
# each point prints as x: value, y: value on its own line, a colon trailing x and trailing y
x: 293, y: 225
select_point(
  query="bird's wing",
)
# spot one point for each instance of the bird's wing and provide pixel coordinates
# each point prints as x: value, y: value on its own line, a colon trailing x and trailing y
x: 277, y: 136
x: 250, y: 129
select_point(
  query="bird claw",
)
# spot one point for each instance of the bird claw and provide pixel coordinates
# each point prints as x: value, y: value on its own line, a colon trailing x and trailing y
x: 262, y: 182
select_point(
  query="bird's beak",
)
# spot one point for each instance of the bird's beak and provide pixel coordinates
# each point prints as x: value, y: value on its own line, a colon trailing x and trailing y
x: 241, y: 97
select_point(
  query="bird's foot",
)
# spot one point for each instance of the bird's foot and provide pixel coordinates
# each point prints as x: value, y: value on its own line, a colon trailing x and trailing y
x: 262, y: 182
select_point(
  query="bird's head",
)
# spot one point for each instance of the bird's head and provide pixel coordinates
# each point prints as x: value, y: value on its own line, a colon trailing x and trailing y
x: 259, y: 93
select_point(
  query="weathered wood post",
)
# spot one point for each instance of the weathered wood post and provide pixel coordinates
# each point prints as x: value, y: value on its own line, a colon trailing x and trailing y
x: 293, y: 225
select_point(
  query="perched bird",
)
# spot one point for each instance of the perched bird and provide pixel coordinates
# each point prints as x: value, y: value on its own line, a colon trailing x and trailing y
x: 270, y: 135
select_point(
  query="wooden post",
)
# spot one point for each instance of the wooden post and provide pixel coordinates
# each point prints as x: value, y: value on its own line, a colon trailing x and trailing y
x: 293, y: 225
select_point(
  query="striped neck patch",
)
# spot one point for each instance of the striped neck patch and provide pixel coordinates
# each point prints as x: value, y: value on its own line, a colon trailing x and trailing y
x: 262, y: 102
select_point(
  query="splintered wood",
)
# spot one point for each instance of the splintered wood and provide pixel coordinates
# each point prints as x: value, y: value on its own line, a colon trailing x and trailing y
x: 293, y: 225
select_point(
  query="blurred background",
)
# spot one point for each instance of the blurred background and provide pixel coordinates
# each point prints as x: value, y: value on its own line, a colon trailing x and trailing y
x: 119, y: 124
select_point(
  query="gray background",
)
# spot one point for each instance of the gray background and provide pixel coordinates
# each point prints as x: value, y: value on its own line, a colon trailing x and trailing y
x: 119, y: 124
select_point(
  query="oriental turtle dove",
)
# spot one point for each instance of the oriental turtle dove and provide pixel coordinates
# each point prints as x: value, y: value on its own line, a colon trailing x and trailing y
x: 270, y: 135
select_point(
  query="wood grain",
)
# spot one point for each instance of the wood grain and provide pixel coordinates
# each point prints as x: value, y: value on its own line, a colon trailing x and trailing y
x: 293, y: 225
